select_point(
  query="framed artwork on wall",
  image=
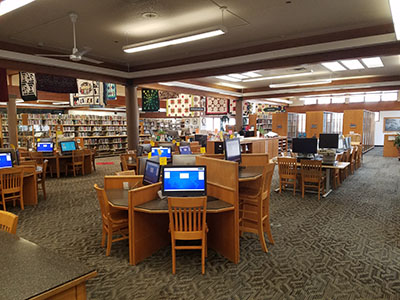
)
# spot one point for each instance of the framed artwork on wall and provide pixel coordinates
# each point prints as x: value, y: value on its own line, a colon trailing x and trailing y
x: 150, y: 100
x: 391, y: 124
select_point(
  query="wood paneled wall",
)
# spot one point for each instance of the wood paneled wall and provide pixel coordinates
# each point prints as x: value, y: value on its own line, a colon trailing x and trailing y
x: 314, y: 123
x: 353, y: 121
x: 280, y: 123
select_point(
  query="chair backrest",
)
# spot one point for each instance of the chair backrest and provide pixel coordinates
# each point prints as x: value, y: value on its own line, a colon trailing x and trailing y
x: 12, y: 180
x: 268, y: 173
x: 254, y: 159
x: 28, y: 163
x: 128, y: 157
x: 359, y: 152
x: 36, y: 156
x: 347, y: 155
x: 103, y: 203
x: 287, y: 167
x: 311, y: 170
x: 44, y: 169
x: 122, y: 173
x: 187, y: 217
x: 78, y: 156
x: 354, y: 153
x: 339, y: 157
x: 8, y: 222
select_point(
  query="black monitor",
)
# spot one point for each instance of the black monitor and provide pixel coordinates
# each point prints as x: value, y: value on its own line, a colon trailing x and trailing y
x: 184, y: 181
x: 6, y: 160
x: 151, y: 172
x: 304, y: 146
x: 44, y: 147
x: 185, y: 150
x: 165, y: 152
x: 232, y: 150
x: 329, y: 140
x: 202, y: 139
x: 67, y: 146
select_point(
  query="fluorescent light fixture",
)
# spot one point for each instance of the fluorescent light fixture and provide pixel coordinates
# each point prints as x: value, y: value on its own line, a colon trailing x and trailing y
x: 356, y: 98
x: 333, y: 66
x: 395, y: 9
x: 280, y: 100
x: 175, y: 40
x: 372, y: 97
x: 9, y: 5
x: 283, y: 85
x: 338, y: 100
x: 228, y: 78
x: 324, y: 100
x: 278, y: 76
x: 200, y: 87
x: 373, y: 62
x: 309, y: 101
x: 231, y: 85
x: 352, y: 64
x: 238, y: 76
x: 61, y: 103
x: 389, y: 96
x: 252, y: 74
x: 45, y: 101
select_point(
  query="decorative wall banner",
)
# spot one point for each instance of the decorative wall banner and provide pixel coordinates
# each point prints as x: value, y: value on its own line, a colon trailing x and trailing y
x: 3, y: 85
x: 27, y: 86
x: 179, y: 107
x: 168, y: 95
x: 150, y: 100
x: 110, y: 91
x: 89, y: 93
x: 198, y: 102
x: 232, y: 107
x: 56, y: 84
x: 216, y: 106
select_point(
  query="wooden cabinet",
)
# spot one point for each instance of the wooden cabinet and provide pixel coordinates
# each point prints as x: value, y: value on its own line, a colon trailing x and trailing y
x: 362, y: 122
x: 389, y: 150
x: 280, y: 123
x: 314, y: 123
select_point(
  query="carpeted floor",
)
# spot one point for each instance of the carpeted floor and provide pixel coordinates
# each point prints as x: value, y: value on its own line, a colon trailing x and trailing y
x: 346, y: 246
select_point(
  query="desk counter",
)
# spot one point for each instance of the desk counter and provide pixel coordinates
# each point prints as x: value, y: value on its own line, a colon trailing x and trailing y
x: 30, y: 271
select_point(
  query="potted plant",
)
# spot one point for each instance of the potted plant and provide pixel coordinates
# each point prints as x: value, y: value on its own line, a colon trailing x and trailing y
x: 397, y: 143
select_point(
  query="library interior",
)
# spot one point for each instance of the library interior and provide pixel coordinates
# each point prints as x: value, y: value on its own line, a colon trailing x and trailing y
x: 205, y: 149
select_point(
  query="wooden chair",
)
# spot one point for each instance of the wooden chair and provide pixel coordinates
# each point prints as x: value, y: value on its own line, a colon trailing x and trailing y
x: 41, y: 178
x: 344, y: 173
x: 113, y: 221
x: 353, y: 160
x: 11, y: 186
x: 254, y: 207
x: 8, y: 222
x: 23, y: 153
x: 336, y: 173
x: 28, y: 163
x: 117, y: 182
x: 359, y: 156
x: 37, y: 156
x: 254, y: 159
x: 77, y: 164
x: 311, y: 176
x: 129, y: 162
x: 287, y: 173
x: 94, y: 153
x: 122, y: 173
x: 187, y: 221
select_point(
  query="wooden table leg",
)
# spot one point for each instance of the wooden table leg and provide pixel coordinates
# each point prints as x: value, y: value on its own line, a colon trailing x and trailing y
x: 30, y: 190
x: 58, y: 167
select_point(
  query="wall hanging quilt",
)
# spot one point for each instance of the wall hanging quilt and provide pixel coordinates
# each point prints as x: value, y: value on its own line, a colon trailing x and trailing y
x: 110, y: 91
x: 168, y: 95
x: 27, y: 86
x: 179, y: 107
x: 90, y: 93
x: 198, y: 102
x: 216, y: 106
x: 150, y: 100
x: 232, y: 107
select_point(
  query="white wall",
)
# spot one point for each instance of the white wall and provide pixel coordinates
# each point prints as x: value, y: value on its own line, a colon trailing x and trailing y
x: 379, y: 135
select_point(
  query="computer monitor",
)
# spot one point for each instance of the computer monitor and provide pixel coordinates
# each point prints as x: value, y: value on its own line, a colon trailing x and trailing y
x: 185, y: 150
x: 67, y: 146
x: 202, y: 139
x: 329, y: 140
x: 14, y: 155
x: 165, y: 152
x: 304, y: 146
x: 151, y: 172
x: 5, y: 160
x: 44, y: 147
x: 184, y: 181
x: 232, y: 150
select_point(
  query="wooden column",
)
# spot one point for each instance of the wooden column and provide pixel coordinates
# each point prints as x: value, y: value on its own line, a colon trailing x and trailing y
x: 12, y: 121
x: 132, y: 115
x: 239, y: 114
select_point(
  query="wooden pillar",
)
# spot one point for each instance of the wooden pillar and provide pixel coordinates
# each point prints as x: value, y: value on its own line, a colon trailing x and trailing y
x: 132, y: 115
x: 12, y: 121
x: 239, y: 114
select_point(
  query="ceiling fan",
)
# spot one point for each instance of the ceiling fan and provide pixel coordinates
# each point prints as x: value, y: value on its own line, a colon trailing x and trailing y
x: 76, y: 55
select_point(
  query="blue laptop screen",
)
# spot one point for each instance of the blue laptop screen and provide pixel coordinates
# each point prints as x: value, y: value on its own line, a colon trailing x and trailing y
x: 5, y: 160
x: 44, y: 147
x: 185, y: 150
x: 165, y: 152
x: 68, y: 146
x: 184, y: 179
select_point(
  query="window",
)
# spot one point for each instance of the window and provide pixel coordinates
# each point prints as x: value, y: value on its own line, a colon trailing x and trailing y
x: 372, y: 97
x: 338, y: 99
x: 377, y: 116
x: 389, y: 96
x: 324, y: 100
x: 356, y: 98
x: 310, y: 101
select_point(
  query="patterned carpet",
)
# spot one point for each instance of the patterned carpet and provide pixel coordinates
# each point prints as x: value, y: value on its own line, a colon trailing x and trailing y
x: 346, y: 246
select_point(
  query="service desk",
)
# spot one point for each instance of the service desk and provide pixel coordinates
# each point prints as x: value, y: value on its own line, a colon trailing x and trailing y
x: 389, y: 150
x: 29, y: 271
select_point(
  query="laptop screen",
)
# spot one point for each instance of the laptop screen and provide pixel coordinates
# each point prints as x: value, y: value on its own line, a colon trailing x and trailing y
x: 68, y: 146
x: 44, y: 147
x: 5, y: 160
x: 185, y: 150
x: 151, y: 172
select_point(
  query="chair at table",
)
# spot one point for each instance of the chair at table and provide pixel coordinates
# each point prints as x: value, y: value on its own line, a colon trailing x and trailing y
x: 344, y: 173
x: 28, y: 163
x: 113, y: 221
x: 187, y: 221
x: 39, y: 158
x: 122, y: 173
x: 359, y: 156
x: 41, y: 178
x: 11, y: 186
x: 8, y: 222
x: 94, y: 153
x: 311, y: 176
x: 353, y: 160
x: 254, y: 206
x: 336, y: 172
x: 117, y: 181
x: 129, y: 162
x: 77, y: 164
x: 254, y: 159
x: 287, y: 173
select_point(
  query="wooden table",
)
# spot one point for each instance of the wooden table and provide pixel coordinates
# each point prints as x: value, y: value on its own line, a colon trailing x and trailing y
x: 149, y: 232
x: 30, y: 189
x: 59, y: 161
x: 250, y: 173
x: 29, y: 271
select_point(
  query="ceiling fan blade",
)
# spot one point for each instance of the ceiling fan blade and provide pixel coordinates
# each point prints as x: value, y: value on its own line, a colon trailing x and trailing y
x: 92, y: 60
x: 53, y: 55
x: 84, y: 51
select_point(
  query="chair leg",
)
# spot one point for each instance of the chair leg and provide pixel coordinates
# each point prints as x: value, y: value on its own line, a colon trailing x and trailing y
x: 268, y: 230
x: 203, y: 257
x: 4, y: 205
x: 21, y: 201
x: 319, y: 188
x: 109, y: 241
x: 103, y: 237
x: 280, y: 186
x: 173, y: 259
x: 44, y: 190
x: 73, y: 167
x: 294, y: 188
x: 302, y: 189
x: 261, y: 235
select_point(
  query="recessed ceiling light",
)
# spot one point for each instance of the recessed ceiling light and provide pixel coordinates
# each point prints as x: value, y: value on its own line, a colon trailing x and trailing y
x: 278, y: 76
x: 283, y: 85
x: 352, y: 64
x: 373, y: 62
x: 228, y: 78
x: 238, y: 76
x: 334, y: 66
x: 9, y: 5
x: 252, y: 74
